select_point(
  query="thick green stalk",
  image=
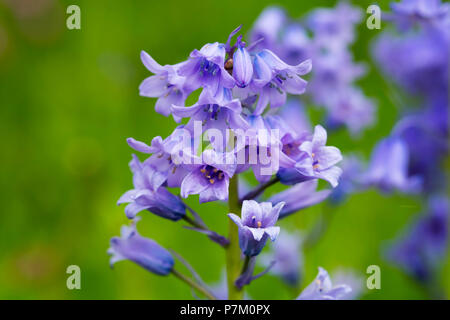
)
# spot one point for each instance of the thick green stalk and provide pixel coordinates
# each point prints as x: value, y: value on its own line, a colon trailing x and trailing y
x: 233, y: 252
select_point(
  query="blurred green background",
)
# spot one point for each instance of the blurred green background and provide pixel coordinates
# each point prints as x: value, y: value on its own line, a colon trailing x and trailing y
x: 69, y: 99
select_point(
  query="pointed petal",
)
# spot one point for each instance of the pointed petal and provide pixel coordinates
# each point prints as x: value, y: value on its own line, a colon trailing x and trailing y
x: 151, y: 64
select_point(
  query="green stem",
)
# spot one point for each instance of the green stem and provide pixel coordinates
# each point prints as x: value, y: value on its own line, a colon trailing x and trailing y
x: 254, y: 193
x: 233, y: 252
x: 193, y: 284
x: 193, y: 223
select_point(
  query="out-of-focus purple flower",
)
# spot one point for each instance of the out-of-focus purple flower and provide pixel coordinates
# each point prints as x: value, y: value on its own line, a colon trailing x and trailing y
x: 388, y: 168
x: 256, y: 225
x: 273, y: 78
x: 350, y: 180
x: 218, y: 112
x: 268, y: 27
x: 427, y: 145
x: 293, y: 114
x: 299, y: 197
x: 408, y: 12
x: 288, y: 257
x: 262, y: 149
x: 211, y: 178
x: 333, y: 73
x: 351, y: 108
x: 144, y: 197
x: 242, y: 65
x: 322, y: 289
x: 316, y: 161
x: 140, y: 250
x: 353, y: 280
x: 296, y: 45
x: 166, y: 85
x: 334, y: 27
x: 419, y: 251
x: 417, y: 61
x: 206, y: 68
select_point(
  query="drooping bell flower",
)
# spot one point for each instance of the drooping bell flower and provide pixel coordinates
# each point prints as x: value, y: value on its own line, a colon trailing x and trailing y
x: 206, y: 68
x: 268, y: 27
x: 166, y: 85
x: 165, y: 159
x: 242, y: 65
x: 256, y: 225
x: 388, y: 168
x: 273, y: 78
x: 322, y: 289
x: 144, y: 197
x: 143, y: 251
x: 262, y: 149
x: 210, y: 179
x: 317, y: 161
x: 219, y: 112
x: 300, y: 196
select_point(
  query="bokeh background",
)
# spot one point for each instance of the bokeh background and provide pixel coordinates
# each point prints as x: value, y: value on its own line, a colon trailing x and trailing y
x: 69, y: 99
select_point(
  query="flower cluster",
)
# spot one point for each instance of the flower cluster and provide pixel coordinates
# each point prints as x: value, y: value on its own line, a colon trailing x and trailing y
x: 241, y: 121
x: 249, y: 118
x: 324, y: 36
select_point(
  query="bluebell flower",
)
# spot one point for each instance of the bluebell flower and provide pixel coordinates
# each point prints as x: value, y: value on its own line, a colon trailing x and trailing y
x: 334, y: 28
x: 219, y: 112
x: 256, y: 225
x: 351, y: 108
x: 408, y: 12
x: 427, y: 143
x: 144, y: 197
x: 355, y: 281
x: 206, y: 68
x: 288, y: 257
x: 417, y: 61
x: 242, y: 65
x: 296, y: 45
x: 333, y: 73
x: 424, y: 243
x: 295, y: 118
x: 322, y: 289
x: 316, y: 161
x: 294, y: 128
x: 299, y: 196
x: 268, y: 27
x: 143, y: 251
x: 210, y: 179
x: 165, y: 159
x: 262, y: 150
x: 350, y: 180
x: 388, y: 167
x: 273, y: 78
x: 166, y: 85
